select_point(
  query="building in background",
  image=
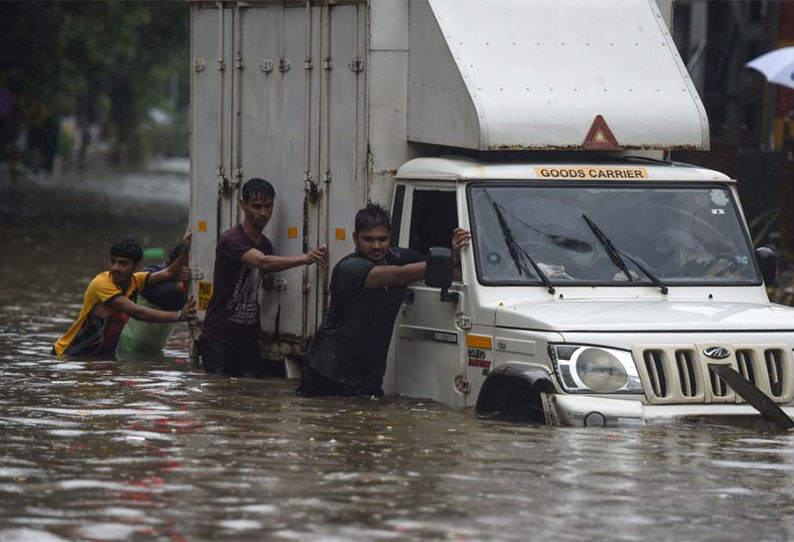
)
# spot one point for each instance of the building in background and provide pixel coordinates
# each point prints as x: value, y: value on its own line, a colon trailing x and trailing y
x: 747, y: 115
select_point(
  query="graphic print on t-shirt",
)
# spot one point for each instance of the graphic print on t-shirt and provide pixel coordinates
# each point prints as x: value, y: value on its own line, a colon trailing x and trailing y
x: 98, y: 327
x: 243, y: 307
x: 100, y: 332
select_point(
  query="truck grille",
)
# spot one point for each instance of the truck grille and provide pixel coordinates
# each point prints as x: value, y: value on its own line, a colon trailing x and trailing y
x: 680, y: 374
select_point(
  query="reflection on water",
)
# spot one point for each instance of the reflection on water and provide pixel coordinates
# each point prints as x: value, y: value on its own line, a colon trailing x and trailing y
x: 154, y: 449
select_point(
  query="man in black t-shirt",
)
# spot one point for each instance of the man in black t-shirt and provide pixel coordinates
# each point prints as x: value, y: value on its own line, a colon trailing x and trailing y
x: 348, y: 355
x: 230, y: 333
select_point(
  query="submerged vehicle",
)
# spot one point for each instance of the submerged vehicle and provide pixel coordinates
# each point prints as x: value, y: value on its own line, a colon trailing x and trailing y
x: 605, y: 284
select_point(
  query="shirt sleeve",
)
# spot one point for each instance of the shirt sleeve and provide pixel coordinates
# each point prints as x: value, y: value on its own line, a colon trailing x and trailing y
x: 141, y: 278
x: 102, y: 290
x: 351, y: 274
x: 234, y: 245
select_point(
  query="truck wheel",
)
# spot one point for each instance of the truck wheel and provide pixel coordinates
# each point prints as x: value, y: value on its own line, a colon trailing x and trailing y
x: 510, y: 399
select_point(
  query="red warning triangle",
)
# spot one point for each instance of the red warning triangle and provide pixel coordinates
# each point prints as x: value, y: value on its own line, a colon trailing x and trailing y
x: 600, y: 137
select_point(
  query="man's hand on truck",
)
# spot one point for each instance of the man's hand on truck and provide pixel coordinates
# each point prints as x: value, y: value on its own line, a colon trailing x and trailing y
x: 318, y: 255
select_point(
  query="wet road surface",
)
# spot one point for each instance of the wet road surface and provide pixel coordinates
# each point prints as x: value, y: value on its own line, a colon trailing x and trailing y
x: 154, y: 449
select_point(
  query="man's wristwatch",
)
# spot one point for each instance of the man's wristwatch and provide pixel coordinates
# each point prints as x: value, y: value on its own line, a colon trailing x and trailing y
x: 179, y: 315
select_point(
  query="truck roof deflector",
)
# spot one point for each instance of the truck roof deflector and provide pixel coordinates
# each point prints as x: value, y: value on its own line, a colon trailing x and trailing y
x: 520, y: 75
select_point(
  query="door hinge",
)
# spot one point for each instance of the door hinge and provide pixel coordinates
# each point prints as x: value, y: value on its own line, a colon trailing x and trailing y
x: 310, y: 187
x: 356, y: 65
x: 463, y: 321
x: 266, y: 65
x: 462, y: 385
x: 225, y: 186
x: 269, y: 282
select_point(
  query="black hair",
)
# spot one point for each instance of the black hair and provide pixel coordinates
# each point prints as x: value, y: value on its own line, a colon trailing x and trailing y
x: 256, y: 186
x: 372, y: 216
x: 175, y: 251
x: 127, y: 248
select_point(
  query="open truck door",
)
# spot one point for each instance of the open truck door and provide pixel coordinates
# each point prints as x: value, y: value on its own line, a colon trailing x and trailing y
x: 430, y: 345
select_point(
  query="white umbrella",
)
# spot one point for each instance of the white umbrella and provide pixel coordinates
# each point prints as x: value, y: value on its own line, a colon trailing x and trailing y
x: 777, y: 66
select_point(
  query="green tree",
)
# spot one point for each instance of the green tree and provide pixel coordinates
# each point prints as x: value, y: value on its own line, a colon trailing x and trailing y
x: 99, y: 61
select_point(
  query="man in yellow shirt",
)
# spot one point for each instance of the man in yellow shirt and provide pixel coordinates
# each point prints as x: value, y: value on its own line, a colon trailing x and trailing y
x: 109, y: 302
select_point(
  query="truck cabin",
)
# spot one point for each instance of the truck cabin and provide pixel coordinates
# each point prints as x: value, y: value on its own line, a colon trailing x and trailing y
x: 625, y: 224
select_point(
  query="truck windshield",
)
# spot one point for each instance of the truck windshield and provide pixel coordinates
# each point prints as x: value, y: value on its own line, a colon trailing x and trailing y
x: 608, y: 234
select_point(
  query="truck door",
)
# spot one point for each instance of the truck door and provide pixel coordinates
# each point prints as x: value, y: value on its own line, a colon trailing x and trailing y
x: 212, y: 198
x: 429, y: 347
x: 298, y: 119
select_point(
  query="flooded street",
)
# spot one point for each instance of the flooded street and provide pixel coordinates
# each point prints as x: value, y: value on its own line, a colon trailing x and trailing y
x: 154, y: 449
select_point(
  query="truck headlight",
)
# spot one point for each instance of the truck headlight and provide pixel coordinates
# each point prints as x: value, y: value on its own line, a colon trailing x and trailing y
x: 594, y: 369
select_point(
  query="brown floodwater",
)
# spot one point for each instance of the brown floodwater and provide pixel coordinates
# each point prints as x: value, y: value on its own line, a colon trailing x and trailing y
x: 154, y: 449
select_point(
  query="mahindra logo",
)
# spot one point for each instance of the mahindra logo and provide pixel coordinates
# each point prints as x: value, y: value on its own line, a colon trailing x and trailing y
x: 716, y: 352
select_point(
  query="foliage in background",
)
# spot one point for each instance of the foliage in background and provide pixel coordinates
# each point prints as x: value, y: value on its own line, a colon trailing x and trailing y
x: 105, y: 63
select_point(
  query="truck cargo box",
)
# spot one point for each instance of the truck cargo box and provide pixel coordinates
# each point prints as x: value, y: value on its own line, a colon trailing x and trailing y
x: 521, y: 74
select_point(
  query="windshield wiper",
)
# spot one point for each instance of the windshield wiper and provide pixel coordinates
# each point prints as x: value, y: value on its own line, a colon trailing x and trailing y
x: 610, y: 249
x: 513, y: 247
x: 568, y: 243
x: 615, y: 255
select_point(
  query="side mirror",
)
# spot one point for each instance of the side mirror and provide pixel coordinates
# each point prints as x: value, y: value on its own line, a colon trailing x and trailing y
x: 767, y: 261
x: 438, y: 272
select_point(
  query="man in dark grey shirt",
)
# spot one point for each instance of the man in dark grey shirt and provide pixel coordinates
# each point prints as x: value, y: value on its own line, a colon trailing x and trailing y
x: 348, y: 355
x: 230, y: 333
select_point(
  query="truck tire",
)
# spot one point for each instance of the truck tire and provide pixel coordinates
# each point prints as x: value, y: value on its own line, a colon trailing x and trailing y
x: 512, y: 395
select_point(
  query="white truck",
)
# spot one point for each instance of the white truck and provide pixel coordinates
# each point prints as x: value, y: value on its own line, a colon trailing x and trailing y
x: 604, y: 284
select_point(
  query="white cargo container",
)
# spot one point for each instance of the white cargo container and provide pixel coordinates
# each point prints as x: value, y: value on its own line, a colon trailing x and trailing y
x: 602, y: 279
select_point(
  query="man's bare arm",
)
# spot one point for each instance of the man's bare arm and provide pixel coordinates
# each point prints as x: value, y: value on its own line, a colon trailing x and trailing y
x: 460, y: 240
x: 127, y: 306
x: 394, y: 275
x: 271, y: 263
x: 174, y: 270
